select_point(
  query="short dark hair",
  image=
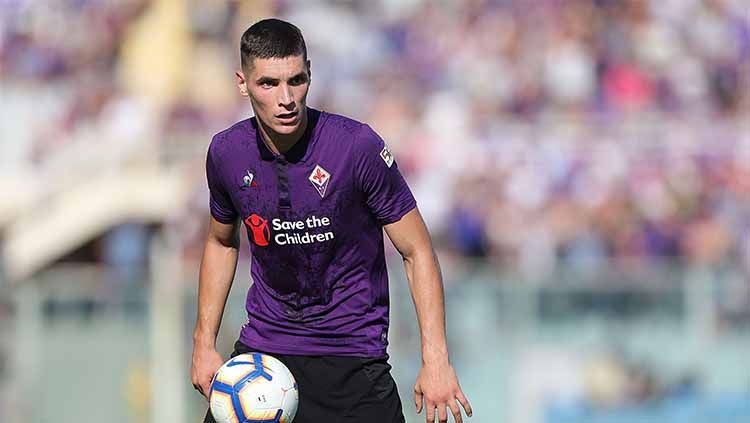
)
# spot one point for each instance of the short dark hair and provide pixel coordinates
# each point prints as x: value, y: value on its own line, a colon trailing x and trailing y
x: 271, y: 38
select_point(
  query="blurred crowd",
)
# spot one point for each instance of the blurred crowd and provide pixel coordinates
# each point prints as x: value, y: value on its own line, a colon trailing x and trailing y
x: 533, y: 133
x: 614, y: 379
x: 618, y: 387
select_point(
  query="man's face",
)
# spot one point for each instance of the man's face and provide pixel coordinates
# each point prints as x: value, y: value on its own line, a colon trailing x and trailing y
x: 278, y: 91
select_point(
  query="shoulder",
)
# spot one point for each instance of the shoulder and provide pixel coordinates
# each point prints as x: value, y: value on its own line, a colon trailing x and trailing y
x: 341, y: 124
x: 360, y: 135
x: 223, y: 142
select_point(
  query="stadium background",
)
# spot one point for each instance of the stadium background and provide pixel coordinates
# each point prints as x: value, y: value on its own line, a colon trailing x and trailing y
x: 584, y: 167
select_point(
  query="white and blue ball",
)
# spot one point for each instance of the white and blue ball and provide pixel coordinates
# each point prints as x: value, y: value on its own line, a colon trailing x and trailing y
x: 253, y: 388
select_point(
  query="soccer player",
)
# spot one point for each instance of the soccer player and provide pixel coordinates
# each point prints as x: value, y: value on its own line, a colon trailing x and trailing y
x: 314, y: 191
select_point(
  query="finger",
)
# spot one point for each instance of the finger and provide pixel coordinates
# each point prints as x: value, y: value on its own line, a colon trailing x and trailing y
x: 430, y: 411
x: 456, y: 411
x: 464, y: 402
x: 205, y: 389
x: 442, y: 414
x: 418, y: 399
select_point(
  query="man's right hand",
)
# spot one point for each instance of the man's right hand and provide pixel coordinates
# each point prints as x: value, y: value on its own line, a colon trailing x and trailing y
x: 206, y: 361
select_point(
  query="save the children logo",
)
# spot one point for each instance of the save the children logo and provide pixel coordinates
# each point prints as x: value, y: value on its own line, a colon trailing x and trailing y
x: 259, y: 228
x: 309, y: 230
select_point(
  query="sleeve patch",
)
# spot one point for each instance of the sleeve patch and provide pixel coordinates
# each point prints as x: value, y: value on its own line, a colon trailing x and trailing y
x: 387, y: 157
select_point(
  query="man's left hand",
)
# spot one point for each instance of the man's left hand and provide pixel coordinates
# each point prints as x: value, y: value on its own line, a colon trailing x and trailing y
x: 437, y: 388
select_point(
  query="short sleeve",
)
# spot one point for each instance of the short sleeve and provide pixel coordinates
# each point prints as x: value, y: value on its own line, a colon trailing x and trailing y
x: 220, y: 203
x: 386, y: 193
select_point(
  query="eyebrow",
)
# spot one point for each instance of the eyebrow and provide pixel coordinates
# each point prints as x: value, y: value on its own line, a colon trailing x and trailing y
x: 263, y: 79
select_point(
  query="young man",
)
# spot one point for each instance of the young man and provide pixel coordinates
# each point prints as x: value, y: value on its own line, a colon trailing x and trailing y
x: 314, y: 191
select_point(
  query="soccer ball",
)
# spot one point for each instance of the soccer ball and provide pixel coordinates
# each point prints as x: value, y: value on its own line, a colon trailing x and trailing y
x: 255, y: 388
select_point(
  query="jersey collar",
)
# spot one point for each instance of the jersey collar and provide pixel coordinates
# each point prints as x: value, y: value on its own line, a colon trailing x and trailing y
x: 298, y: 152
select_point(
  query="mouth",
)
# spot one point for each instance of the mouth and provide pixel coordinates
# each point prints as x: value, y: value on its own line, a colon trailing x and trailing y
x: 287, y: 116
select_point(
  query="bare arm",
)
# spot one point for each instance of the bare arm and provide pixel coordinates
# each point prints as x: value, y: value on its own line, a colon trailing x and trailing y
x: 215, y: 280
x: 437, y: 385
x: 411, y: 239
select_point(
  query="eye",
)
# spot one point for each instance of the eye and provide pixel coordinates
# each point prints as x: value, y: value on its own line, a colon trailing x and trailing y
x: 298, y: 80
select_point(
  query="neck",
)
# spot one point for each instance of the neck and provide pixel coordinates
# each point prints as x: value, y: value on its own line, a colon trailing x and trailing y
x: 281, y: 143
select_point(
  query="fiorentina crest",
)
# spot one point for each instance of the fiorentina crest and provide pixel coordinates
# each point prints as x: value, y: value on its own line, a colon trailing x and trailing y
x: 320, y: 178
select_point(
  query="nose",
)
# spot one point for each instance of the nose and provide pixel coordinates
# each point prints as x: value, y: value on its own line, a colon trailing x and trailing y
x: 286, y: 98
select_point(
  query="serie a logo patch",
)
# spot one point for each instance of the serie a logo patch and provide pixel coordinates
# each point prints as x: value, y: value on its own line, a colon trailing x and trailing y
x: 319, y: 179
x: 387, y: 157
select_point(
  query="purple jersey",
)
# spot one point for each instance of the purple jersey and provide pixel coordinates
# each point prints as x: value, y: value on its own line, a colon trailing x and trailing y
x: 314, y: 219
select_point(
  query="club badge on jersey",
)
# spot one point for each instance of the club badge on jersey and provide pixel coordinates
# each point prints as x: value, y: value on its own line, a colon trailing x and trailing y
x: 320, y: 178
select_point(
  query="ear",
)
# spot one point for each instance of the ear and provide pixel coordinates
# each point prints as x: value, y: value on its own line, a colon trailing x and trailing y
x: 241, y: 83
